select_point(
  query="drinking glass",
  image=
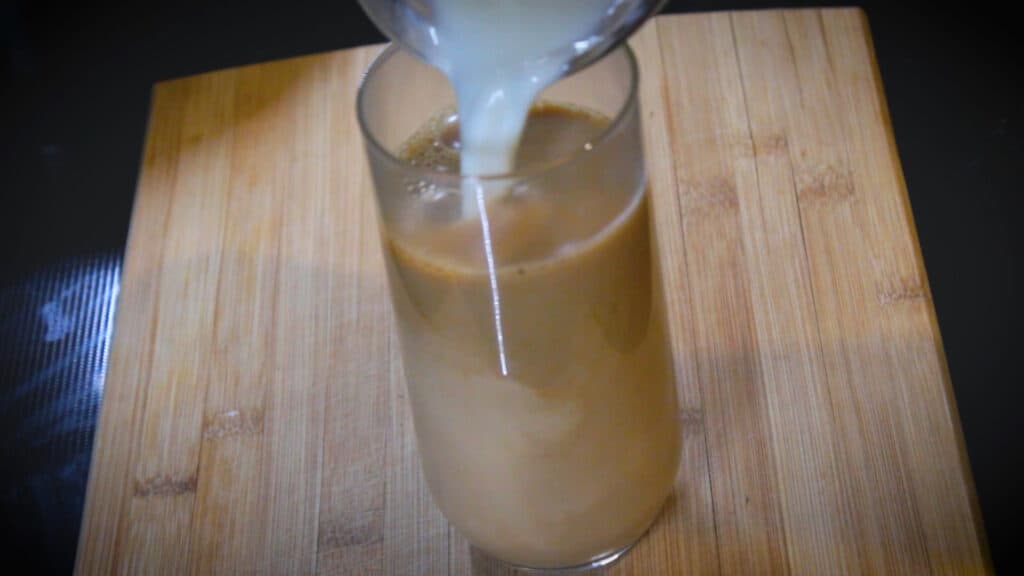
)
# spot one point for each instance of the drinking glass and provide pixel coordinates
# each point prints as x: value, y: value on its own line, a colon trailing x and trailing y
x: 531, y: 320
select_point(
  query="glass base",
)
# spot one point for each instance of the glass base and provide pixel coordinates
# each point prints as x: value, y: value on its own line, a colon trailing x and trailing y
x: 486, y: 565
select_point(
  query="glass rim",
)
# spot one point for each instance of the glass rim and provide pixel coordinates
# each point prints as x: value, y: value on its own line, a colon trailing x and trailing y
x: 613, y: 126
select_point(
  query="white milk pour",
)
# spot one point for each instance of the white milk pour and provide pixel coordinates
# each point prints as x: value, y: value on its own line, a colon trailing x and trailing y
x: 498, y: 56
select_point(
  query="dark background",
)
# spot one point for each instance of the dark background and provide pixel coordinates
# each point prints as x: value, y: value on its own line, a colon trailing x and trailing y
x: 76, y: 80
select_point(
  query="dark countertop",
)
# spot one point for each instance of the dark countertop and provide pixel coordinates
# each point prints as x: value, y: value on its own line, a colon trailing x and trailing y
x: 75, y: 87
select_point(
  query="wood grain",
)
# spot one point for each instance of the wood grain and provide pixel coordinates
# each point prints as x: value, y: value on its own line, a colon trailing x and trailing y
x: 254, y: 417
x: 351, y: 525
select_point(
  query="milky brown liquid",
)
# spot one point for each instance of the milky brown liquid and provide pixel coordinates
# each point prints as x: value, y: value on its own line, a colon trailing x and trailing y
x: 571, y: 454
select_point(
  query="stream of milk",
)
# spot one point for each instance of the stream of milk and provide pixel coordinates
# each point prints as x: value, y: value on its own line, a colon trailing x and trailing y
x: 499, y: 55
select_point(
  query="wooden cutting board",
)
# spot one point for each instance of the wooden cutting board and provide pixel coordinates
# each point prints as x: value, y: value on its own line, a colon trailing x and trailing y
x: 254, y: 416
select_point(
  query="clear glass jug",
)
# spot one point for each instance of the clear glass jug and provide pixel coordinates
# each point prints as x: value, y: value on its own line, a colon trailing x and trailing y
x: 412, y: 25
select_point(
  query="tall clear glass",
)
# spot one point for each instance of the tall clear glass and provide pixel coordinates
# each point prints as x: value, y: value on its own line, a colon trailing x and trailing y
x: 531, y: 320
